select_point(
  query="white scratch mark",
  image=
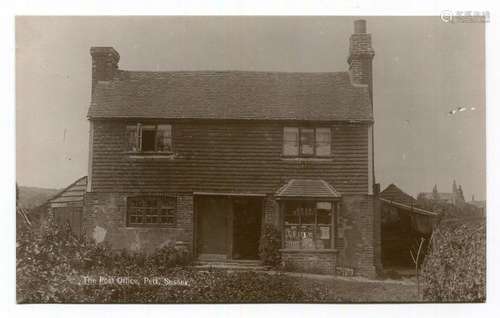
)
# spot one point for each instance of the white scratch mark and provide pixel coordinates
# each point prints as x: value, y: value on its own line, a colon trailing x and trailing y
x: 99, y: 234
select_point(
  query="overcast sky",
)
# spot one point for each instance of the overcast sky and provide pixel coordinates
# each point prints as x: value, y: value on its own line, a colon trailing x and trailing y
x: 423, y: 68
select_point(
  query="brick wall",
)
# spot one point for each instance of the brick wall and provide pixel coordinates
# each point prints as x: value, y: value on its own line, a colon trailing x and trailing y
x: 104, y: 220
x: 271, y: 211
x: 358, y: 241
x: 377, y: 234
x: 309, y: 261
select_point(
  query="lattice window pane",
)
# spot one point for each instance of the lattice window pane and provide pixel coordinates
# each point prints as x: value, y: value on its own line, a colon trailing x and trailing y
x: 164, y: 138
x: 132, y: 141
x: 323, y: 142
x: 307, y: 141
x: 291, y: 141
x: 151, y: 210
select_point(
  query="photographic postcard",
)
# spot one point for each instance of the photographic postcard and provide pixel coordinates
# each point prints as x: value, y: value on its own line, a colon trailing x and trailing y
x: 251, y: 159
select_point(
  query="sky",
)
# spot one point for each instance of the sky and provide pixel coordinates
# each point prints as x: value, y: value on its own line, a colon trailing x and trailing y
x: 423, y: 68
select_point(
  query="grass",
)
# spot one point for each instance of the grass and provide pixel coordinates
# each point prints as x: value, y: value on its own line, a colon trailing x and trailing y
x: 353, y: 290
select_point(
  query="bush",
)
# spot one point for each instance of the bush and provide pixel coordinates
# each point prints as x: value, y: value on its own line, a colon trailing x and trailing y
x: 269, y: 246
x: 51, y: 264
x: 455, y: 267
x: 51, y: 267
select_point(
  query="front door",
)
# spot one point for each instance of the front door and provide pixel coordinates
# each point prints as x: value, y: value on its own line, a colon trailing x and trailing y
x: 246, y: 228
x: 214, y: 215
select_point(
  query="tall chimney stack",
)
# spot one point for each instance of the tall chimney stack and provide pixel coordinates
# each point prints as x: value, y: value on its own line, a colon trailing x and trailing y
x: 361, y: 55
x: 104, y: 64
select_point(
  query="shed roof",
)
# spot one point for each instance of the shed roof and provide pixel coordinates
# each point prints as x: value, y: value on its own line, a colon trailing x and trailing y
x: 72, y: 195
x: 393, y: 193
x: 231, y: 95
x: 303, y: 188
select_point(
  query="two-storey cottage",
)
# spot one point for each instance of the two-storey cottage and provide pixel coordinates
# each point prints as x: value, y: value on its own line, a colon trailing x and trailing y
x: 206, y: 158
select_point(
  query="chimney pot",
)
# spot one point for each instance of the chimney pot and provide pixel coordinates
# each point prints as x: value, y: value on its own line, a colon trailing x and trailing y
x: 360, y: 26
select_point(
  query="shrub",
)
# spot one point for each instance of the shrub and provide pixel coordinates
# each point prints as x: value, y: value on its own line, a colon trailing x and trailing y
x: 455, y: 267
x: 51, y: 264
x: 168, y: 256
x: 269, y: 245
x: 45, y: 264
x: 50, y: 267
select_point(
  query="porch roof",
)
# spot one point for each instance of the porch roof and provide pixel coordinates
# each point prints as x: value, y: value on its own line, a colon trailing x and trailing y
x: 307, y: 188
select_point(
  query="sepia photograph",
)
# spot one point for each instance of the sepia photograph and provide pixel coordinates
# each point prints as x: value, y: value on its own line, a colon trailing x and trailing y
x: 251, y: 159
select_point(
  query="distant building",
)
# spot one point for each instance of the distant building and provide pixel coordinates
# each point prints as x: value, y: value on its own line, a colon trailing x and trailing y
x: 481, y: 205
x: 456, y: 197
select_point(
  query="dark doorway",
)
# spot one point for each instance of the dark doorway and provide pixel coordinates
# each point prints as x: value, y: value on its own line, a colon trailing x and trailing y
x: 246, y: 227
x: 213, y: 215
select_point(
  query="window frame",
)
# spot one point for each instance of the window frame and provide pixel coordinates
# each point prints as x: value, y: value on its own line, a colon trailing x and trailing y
x: 300, y: 145
x: 138, y: 138
x: 303, y: 203
x: 128, y: 211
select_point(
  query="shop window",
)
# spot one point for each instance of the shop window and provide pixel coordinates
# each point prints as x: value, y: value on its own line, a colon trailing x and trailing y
x: 308, y: 225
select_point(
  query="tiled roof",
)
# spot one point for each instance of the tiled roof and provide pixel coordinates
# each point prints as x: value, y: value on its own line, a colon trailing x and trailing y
x: 393, y: 193
x: 231, y: 95
x: 307, y: 188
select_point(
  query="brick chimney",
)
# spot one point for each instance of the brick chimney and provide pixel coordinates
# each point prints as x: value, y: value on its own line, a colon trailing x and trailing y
x: 361, y: 55
x: 104, y: 64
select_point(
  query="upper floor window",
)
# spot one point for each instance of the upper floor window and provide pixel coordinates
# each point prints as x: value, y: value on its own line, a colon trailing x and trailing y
x: 307, y: 142
x: 149, y: 138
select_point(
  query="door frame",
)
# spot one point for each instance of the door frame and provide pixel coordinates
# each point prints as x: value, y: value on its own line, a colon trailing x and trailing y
x: 230, y: 218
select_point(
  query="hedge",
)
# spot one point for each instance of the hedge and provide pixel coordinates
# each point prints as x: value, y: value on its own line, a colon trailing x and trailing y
x: 455, y: 268
x: 55, y: 267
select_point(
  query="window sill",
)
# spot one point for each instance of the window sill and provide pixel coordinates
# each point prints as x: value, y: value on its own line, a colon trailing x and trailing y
x: 295, y: 250
x: 150, y: 155
x: 147, y: 228
x: 307, y: 159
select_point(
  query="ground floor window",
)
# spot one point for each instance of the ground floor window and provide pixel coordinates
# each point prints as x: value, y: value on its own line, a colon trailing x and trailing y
x: 151, y: 211
x: 308, y: 225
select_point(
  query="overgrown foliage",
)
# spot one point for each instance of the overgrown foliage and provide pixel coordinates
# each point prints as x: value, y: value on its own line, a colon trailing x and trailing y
x: 269, y: 246
x: 55, y: 267
x: 52, y: 263
x: 455, y: 267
